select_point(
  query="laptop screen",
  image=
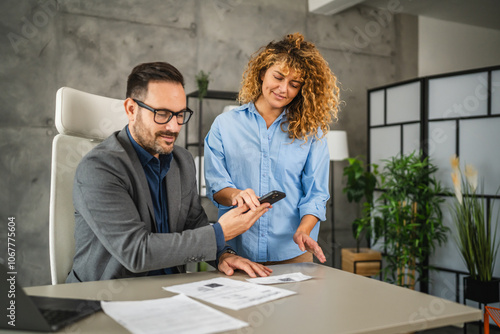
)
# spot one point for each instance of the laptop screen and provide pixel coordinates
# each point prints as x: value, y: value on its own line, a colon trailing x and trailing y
x: 23, y: 312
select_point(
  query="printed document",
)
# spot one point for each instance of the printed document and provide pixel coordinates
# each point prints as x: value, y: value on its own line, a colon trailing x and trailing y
x: 285, y: 278
x: 229, y: 293
x: 178, y: 314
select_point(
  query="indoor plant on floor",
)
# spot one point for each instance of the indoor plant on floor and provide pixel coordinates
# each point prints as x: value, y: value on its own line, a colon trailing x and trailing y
x: 476, y: 237
x: 410, y: 208
x: 360, y: 185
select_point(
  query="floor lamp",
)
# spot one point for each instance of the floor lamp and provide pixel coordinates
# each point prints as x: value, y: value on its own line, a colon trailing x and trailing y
x: 337, y: 146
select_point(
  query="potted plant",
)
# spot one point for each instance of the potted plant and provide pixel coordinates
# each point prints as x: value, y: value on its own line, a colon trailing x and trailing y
x: 202, y: 80
x: 410, y: 208
x: 475, y: 235
x: 360, y: 185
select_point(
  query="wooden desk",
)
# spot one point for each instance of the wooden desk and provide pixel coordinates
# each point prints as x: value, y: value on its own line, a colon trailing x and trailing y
x: 333, y: 302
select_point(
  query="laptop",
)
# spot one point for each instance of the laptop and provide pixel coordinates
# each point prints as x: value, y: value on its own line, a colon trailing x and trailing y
x: 44, y: 314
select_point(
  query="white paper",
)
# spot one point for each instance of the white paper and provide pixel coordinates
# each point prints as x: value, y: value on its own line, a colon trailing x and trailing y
x: 178, y: 314
x: 230, y: 293
x: 285, y: 278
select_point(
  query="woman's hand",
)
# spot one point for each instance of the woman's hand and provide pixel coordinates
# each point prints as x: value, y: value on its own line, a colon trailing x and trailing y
x: 306, y: 243
x: 247, y: 197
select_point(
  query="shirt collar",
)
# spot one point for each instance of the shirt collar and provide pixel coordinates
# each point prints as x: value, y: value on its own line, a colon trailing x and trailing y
x: 251, y: 108
x: 145, y: 157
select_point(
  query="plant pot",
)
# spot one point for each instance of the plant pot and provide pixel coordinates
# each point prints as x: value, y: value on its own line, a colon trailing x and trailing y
x: 367, y: 262
x: 202, y: 88
x: 481, y: 291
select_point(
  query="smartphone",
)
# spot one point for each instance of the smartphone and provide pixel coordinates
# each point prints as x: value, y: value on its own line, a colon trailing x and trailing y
x: 272, y: 197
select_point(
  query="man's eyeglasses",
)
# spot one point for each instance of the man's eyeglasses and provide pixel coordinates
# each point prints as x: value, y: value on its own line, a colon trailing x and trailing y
x: 163, y: 116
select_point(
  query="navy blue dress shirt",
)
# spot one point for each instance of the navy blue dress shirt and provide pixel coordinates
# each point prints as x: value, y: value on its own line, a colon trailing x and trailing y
x: 156, y: 170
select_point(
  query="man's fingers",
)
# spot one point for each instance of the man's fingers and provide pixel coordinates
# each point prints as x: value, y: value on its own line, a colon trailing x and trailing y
x: 259, y: 211
x: 253, y: 269
x: 240, y: 209
x: 229, y: 264
x: 241, y: 264
x: 263, y: 271
x: 225, y: 268
x: 264, y: 206
x: 249, y: 270
x: 238, y: 220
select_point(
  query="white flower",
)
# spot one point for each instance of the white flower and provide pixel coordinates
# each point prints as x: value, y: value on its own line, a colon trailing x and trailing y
x: 455, y: 177
x: 471, y: 177
x: 455, y: 163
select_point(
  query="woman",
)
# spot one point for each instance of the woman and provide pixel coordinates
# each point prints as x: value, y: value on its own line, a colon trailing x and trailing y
x: 274, y: 141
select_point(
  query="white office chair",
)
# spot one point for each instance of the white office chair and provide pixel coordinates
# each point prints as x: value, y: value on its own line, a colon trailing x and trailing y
x: 82, y: 120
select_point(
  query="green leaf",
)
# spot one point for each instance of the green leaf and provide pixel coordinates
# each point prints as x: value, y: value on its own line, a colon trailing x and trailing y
x: 411, y: 211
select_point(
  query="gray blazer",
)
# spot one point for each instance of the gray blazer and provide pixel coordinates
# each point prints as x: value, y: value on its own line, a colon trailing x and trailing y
x: 114, y: 216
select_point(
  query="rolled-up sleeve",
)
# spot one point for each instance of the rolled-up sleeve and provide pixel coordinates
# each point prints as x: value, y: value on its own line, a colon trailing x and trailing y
x: 315, y: 181
x: 216, y: 175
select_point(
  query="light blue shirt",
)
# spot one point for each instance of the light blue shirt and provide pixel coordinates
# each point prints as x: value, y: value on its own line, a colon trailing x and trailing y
x: 241, y: 152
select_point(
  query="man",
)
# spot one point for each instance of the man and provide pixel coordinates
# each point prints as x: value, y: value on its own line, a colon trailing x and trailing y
x: 137, y: 211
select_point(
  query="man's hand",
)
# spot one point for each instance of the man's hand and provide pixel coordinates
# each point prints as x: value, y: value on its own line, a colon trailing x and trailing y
x: 228, y: 263
x: 240, y: 219
x: 305, y: 242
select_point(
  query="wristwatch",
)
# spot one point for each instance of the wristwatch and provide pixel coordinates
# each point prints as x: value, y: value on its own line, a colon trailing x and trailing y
x: 230, y: 251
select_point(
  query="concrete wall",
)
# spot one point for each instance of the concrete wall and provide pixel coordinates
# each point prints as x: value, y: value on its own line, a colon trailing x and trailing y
x: 93, y: 45
x: 450, y: 47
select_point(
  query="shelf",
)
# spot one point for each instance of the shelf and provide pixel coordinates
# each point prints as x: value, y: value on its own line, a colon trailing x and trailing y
x: 194, y: 144
x: 216, y: 94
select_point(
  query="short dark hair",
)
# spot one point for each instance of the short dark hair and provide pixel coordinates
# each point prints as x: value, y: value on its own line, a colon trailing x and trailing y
x: 142, y: 74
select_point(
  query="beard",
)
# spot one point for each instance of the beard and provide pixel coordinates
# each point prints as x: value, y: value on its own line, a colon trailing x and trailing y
x: 152, y: 143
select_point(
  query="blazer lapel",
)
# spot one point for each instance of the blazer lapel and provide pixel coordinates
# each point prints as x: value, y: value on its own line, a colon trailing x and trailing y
x: 136, y: 164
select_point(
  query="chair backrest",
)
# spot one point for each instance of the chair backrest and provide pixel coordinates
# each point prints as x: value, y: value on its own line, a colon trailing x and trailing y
x: 83, y: 120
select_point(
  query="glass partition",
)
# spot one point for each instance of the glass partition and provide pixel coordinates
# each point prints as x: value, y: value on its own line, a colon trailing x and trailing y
x: 458, y: 96
x: 495, y: 92
x: 457, y: 113
x: 403, y: 103
x: 386, y: 143
x: 411, y: 138
x: 478, y: 146
x: 377, y: 107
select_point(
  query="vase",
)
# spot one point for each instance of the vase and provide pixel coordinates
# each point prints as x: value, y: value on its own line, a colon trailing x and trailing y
x: 485, y: 292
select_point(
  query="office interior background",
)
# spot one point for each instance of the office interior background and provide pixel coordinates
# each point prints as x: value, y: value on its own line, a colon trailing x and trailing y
x: 93, y: 45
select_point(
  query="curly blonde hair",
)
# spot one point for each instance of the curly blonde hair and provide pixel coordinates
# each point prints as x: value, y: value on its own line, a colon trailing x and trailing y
x: 317, y: 102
